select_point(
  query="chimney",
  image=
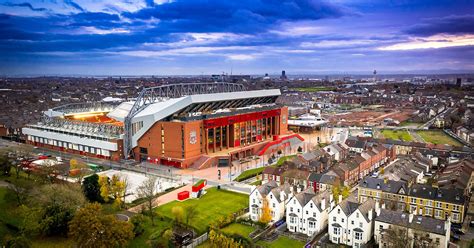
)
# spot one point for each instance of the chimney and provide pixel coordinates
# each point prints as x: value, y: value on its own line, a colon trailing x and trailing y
x: 447, y: 225
x: 410, y: 218
x: 385, y: 180
x: 331, y: 198
x: 383, y: 205
x: 370, y: 215
x: 377, y: 208
x: 298, y: 189
x: 340, y: 199
x: 282, y: 197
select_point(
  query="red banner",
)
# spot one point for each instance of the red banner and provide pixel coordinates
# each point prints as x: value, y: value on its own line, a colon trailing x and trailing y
x: 218, y: 122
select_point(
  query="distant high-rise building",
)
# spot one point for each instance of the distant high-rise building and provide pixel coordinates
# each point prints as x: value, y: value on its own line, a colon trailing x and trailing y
x: 283, y: 75
x: 458, y: 82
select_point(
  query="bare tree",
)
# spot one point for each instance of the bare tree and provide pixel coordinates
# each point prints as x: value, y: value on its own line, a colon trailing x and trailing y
x: 20, y: 192
x: 147, y: 191
x: 396, y: 237
x: 191, y: 213
x: 126, y: 188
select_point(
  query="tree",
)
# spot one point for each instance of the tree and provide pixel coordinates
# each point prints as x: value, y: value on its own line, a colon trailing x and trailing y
x: 79, y: 167
x: 382, y: 170
x: 114, y: 187
x: 22, y: 153
x: 91, y: 188
x: 345, y: 192
x: 396, y: 236
x: 48, y: 171
x: 20, y: 190
x: 178, y: 213
x: 56, y: 204
x: 139, y: 222
x: 91, y: 228
x: 191, y: 213
x: 104, y: 188
x: 147, y: 191
x: 266, y: 216
x: 5, y: 163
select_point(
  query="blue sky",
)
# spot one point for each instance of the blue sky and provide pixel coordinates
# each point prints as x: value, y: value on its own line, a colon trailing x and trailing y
x: 160, y: 37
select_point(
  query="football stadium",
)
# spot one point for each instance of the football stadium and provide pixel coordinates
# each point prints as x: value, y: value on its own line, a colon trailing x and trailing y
x: 180, y: 125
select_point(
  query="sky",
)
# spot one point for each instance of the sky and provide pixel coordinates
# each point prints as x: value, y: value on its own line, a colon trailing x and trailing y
x: 193, y: 37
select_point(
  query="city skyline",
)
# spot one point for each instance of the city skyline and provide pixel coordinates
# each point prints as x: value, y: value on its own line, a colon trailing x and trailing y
x: 245, y: 37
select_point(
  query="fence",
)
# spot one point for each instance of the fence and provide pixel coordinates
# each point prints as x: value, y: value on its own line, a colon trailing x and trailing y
x: 197, y: 241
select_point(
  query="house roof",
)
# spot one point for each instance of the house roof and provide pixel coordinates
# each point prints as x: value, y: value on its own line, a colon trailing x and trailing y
x: 266, y: 188
x: 305, y: 196
x: 348, y: 207
x: 421, y: 223
x: 385, y: 186
x: 429, y: 192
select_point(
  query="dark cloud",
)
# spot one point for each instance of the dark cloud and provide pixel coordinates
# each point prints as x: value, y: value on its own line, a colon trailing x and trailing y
x: 73, y: 4
x: 27, y: 5
x: 240, y: 16
x: 446, y: 25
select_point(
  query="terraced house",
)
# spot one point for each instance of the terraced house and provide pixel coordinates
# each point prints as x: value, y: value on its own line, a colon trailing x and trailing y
x: 418, y: 199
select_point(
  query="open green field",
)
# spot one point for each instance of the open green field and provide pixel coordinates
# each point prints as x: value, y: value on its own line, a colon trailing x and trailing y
x: 237, y: 228
x: 282, y: 242
x: 212, y: 206
x: 313, y: 89
x: 438, y: 137
x: 396, y: 135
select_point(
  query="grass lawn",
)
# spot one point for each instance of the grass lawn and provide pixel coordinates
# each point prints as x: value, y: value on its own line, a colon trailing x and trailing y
x: 249, y: 174
x: 150, y: 232
x: 313, y: 89
x: 53, y: 242
x: 282, y: 242
x: 211, y: 206
x: 237, y: 228
x: 438, y: 137
x: 283, y: 159
x: 397, y: 135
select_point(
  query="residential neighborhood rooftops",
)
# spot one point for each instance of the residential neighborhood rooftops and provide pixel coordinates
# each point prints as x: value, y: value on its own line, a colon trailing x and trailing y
x: 384, y: 185
x: 421, y: 223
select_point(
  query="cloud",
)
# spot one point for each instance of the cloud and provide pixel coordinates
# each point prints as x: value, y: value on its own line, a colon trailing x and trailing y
x: 432, y: 42
x: 462, y: 24
x: 28, y: 5
x: 74, y: 5
x: 241, y: 57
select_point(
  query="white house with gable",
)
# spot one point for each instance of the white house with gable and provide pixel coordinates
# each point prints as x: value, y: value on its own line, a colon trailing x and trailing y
x: 277, y: 197
x: 307, y: 212
x: 351, y: 223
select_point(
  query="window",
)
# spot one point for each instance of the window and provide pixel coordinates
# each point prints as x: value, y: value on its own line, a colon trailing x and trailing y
x: 429, y: 203
x: 334, y: 218
x: 312, y: 224
x: 455, y: 207
x: 455, y: 216
x: 439, y: 205
x: 361, y: 224
x: 311, y: 205
x: 336, y: 231
x: 413, y: 200
x: 307, y: 212
x: 314, y: 215
x: 358, y: 235
x: 274, y: 205
x: 342, y: 220
x: 292, y: 220
x: 412, y: 209
x: 352, y: 222
x: 438, y: 213
x: 428, y: 211
x: 254, y: 211
x: 291, y: 209
x: 338, y: 211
